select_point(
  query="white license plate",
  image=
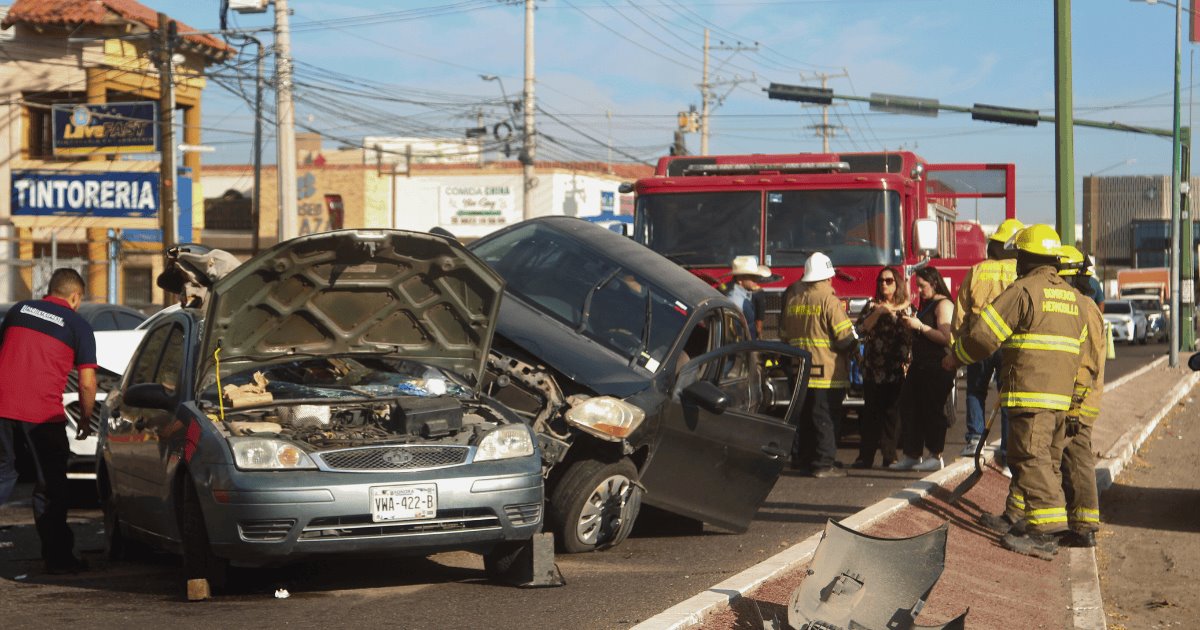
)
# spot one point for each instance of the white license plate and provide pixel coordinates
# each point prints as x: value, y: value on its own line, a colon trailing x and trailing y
x: 403, y: 503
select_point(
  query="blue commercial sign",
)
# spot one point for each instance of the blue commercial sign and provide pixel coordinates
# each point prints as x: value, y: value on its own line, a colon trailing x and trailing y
x: 95, y: 194
x: 82, y: 129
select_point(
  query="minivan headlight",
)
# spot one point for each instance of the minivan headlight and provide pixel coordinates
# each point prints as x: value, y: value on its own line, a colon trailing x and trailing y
x: 506, y: 442
x: 606, y: 417
x: 254, y: 453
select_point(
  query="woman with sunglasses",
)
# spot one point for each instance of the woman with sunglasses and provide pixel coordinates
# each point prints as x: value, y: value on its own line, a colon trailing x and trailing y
x: 887, y: 345
x: 923, y: 418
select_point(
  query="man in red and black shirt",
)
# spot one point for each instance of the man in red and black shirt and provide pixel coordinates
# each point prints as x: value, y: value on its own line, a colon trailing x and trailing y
x: 41, y: 341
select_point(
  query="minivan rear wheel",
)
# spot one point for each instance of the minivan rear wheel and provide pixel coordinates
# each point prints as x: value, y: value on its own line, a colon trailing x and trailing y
x: 594, y: 504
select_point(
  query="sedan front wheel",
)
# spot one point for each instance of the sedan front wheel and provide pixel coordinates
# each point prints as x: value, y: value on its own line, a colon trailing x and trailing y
x: 595, y: 504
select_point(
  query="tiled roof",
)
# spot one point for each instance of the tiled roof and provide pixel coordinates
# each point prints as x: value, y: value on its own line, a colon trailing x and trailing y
x: 70, y: 12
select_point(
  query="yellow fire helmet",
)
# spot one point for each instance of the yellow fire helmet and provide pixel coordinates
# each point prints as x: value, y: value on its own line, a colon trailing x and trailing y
x: 1038, y: 239
x: 1006, y: 230
x: 1071, y: 262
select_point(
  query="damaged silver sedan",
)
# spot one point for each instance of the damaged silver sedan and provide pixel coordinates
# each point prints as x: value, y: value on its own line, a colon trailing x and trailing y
x: 323, y: 402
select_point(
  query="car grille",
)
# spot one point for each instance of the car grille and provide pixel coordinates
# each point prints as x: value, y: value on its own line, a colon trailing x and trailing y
x: 524, y: 514
x: 265, y: 530
x: 72, y: 410
x: 350, y: 527
x: 395, y: 457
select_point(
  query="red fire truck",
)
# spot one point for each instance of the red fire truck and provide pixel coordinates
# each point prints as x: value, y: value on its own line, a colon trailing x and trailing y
x: 863, y: 210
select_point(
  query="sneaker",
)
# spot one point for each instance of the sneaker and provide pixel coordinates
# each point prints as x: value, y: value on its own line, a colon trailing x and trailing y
x: 1006, y: 471
x: 826, y: 473
x: 65, y: 567
x: 969, y: 449
x: 905, y: 463
x: 930, y: 463
x: 1043, y: 546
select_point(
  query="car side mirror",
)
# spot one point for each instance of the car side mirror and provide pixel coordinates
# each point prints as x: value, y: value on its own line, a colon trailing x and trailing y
x: 150, y: 396
x: 925, y: 235
x: 1194, y: 362
x: 707, y: 395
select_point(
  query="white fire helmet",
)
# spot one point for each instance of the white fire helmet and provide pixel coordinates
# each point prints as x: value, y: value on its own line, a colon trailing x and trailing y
x: 817, y: 267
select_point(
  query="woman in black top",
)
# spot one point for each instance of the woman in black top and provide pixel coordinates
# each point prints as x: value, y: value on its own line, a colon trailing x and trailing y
x: 887, y: 344
x: 923, y: 398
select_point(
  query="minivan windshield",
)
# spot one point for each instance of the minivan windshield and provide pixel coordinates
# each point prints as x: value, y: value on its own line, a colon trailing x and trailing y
x: 587, y: 291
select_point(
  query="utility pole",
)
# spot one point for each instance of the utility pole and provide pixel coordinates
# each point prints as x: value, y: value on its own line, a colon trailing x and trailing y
x: 166, y: 128
x: 706, y: 86
x: 1064, y: 126
x: 286, y: 125
x: 256, y: 201
x: 529, y: 153
x: 825, y: 130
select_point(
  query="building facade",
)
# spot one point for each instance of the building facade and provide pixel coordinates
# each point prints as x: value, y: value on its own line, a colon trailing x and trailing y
x: 1126, y: 221
x: 79, y: 109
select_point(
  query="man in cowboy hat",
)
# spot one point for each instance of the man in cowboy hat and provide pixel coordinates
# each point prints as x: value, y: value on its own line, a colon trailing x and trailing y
x: 747, y: 273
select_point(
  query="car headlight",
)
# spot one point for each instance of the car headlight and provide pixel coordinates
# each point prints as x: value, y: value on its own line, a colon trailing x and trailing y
x: 506, y: 442
x: 253, y: 453
x: 606, y: 417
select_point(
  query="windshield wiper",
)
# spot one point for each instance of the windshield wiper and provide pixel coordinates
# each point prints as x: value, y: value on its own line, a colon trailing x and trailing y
x: 587, y: 299
x: 792, y: 250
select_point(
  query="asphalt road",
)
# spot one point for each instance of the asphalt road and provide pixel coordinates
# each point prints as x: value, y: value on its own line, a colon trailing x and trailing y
x: 664, y: 562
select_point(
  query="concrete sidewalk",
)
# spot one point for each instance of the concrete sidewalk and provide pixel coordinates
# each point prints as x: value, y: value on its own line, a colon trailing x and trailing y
x: 1002, y: 589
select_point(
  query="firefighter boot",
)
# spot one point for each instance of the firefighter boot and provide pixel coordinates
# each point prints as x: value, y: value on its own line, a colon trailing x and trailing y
x: 1038, y: 545
x: 1000, y: 523
x: 1077, y: 539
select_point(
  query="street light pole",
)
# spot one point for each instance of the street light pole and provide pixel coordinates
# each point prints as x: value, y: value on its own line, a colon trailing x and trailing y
x: 1176, y: 314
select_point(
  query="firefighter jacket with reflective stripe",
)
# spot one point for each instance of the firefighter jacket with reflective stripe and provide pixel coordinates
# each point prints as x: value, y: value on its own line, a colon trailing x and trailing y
x: 982, y: 284
x: 813, y: 318
x: 1089, y: 382
x: 1039, y: 325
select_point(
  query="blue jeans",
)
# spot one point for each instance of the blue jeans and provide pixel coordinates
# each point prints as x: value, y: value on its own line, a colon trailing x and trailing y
x: 980, y: 376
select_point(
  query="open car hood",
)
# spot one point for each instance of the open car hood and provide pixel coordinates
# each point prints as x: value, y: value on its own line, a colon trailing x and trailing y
x: 404, y: 294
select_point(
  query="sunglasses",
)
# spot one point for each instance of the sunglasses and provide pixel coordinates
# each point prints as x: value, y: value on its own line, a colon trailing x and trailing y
x: 887, y: 281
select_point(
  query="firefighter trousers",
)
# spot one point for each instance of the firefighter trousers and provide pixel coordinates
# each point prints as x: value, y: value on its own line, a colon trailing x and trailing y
x: 1035, y: 450
x: 1079, y: 482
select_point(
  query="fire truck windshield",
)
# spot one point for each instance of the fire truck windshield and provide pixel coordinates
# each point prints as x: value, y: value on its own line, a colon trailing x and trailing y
x: 701, y: 229
x: 708, y: 229
x: 852, y: 227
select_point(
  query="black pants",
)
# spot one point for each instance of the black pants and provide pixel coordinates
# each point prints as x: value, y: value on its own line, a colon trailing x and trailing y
x: 879, y: 421
x: 923, y: 421
x: 49, y: 449
x: 816, y: 436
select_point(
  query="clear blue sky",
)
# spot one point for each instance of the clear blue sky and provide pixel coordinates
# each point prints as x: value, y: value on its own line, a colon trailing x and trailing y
x: 413, y: 69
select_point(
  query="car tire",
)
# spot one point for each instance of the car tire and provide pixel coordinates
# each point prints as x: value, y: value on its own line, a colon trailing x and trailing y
x: 499, y: 561
x: 594, y: 505
x: 198, y: 559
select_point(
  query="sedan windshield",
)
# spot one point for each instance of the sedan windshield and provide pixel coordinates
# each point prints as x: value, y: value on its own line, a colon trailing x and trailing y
x: 701, y: 229
x: 1119, y: 308
x: 587, y: 291
x: 344, y: 378
x: 852, y: 227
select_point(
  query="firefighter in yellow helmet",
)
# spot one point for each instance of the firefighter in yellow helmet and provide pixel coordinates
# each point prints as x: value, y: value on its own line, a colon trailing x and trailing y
x: 1079, y: 461
x: 981, y: 285
x: 1038, y: 324
x: 813, y: 318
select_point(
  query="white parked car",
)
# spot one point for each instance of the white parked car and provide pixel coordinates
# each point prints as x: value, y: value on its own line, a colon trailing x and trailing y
x: 1128, y: 322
